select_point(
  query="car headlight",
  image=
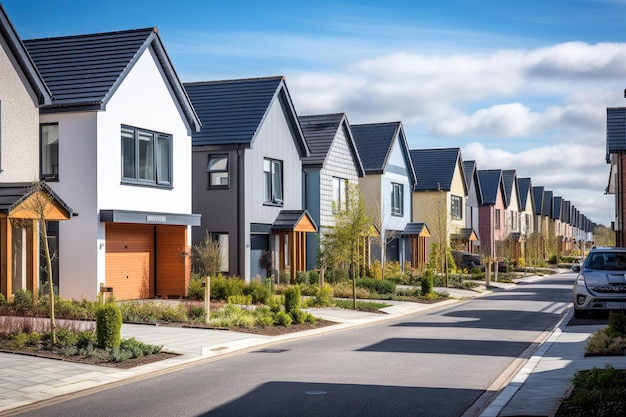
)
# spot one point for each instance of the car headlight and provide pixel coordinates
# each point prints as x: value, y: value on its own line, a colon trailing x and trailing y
x: 580, y: 280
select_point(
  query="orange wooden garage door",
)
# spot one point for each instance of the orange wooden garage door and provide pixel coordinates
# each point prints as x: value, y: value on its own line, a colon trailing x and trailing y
x: 130, y: 260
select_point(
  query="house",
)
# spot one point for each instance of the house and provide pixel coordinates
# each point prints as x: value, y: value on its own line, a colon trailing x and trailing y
x: 116, y: 142
x: 557, y: 217
x: 567, y: 226
x: 538, y: 197
x: 333, y: 163
x: 22, y: 92
x: 526, y: 216
x: 514, y: 239
x: 386, y: 187
x: 616, y: 157
x: 472, y: 201
x: 247, y: 176
x: 439, y: 196
x: 492, y: 227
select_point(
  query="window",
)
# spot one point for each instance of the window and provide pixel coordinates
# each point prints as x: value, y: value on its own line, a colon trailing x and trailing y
x: 339, y: 193
x: 218, y: 171
x: 456, y: 207
x: 497, y: 219
x: 146, y: 157
x: 222, y: 242
x: 273, y: 177
x: 49, y: 155
x: 513, y: 220
x: 397, y: 199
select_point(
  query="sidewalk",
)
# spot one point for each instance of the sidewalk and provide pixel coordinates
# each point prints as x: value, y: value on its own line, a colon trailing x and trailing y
x: 535, y: 391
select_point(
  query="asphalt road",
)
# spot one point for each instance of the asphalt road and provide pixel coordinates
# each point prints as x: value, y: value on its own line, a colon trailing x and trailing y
x: 436, y: 363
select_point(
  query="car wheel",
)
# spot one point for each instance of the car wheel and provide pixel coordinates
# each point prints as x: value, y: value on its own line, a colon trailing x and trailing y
x: 579, y: 314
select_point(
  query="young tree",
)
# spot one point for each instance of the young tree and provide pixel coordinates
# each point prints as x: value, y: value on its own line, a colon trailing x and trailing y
x: 207, y: 257
x: 39, y: 204
x: 352, y: 226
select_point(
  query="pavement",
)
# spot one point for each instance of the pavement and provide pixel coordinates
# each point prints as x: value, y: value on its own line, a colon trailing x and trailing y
x: 532, y: 386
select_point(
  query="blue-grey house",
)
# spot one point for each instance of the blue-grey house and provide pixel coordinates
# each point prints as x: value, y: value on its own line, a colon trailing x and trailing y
x: 386, y: 187
x: 472, y: 201
x: 333, y: 163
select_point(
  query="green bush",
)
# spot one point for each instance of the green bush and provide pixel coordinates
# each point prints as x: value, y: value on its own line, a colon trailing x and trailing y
x: 324, y: 296
x: 196, y: 313
x: 284, y: 277
x: 3, y: 300
x: 22, y: 301
x: 274, y: 303
x: 314, y: 277
x: 108, y: 326
x: 597, y: 392
x: 86, y: 340
x: 282, y: 318
x: 66, y: 337
x: 292, y: 299
x: 302, y: 277
x: 377, y: 286
x: 617, y: 323
x: 298, y: 316
x: 427, y: 282
x: 196, y: 288
x: 223, y: 287
x: 240, y: 299
x: 259, y: 292
x: 264, y: 316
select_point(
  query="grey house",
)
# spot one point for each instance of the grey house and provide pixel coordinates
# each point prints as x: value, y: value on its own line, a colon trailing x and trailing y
x: 332, y: 164
x: 247, y: 175
x: 472, y: 201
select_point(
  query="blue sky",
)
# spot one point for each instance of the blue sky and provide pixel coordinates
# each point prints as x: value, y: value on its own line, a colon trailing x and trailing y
x: 518, y: 85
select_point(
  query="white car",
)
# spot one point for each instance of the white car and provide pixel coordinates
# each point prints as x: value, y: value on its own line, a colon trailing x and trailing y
x: 601, y: 282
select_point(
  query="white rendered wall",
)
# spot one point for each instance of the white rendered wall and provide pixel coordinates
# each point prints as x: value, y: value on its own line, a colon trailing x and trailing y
x: 19, y: 122
x: 457, y: 188
x: 90, y: 171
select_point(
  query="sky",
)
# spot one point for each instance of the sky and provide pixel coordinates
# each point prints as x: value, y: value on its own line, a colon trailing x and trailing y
x: 518, y: 85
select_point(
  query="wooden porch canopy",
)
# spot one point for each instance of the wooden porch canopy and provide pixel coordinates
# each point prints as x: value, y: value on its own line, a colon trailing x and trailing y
x: 293, y: 225
x: 25, y: 201
x: 416, y: 229
x: 466, y: 233
x: 516, y: 237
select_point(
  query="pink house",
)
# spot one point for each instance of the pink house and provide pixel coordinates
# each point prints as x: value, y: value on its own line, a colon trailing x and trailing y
x: 492, y: 226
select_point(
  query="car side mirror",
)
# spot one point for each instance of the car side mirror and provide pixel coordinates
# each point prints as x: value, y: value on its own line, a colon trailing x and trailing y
x: 575, y: 268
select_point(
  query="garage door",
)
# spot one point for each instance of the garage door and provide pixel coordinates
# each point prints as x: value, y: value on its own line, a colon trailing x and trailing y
x: 130, y: 260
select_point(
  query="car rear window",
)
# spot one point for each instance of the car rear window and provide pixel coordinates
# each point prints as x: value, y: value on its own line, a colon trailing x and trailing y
x: 607, y: 260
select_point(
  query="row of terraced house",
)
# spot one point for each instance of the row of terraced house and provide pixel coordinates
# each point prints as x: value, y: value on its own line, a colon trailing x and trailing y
x: 141, y: 166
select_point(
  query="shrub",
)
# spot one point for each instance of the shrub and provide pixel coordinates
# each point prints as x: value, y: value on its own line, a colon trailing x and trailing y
x: 86, y: 340
x: 196, y: 289
x: 108, y: 326
x: 377, y: 286
x: 597, y: 392
x: 258, y: 291
x: 283, y: 319
x: 264, y: 316
x: 196, y: 313
x: 376, y: 270
x: 223, y: 287
x: 66, y: 338
x: 284, y: 277
x: 274, y: 303
x: 302, y: 277
x: 3, y: 300
x: 22, y: 301
x: 240, y: 299
x: 344, y: 290
x: 427, y: 282
x: 323, y: 296
x: 314, y: 277
x: 617, y: 323
x: 335, y: 275
x: 298, y: 316
x: 206, y: 257
x: 292, y: 299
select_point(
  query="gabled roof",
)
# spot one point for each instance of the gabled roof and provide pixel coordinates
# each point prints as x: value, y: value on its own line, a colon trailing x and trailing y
x: 294, y: 220
x: 538, y: 199
x: 375, y: 141
x: 23, y: 59
x: 470, y: 170
x: 416, y: 229
x: 320, y: 131
x: 14, y: 194
x: 524, y: 185
x: 434, y: 168
x: 84, y: 71
x: 233, y: 111
x: 546, y: 209
x: 509, y: 178
x: 490, y: 183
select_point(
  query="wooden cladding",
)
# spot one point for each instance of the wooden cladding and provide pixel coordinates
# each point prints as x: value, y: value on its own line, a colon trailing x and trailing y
x: 144, y: 261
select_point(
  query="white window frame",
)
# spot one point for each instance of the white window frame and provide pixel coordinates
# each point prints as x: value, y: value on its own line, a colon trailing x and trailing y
x: 340, y: 190
x: 456, y: 207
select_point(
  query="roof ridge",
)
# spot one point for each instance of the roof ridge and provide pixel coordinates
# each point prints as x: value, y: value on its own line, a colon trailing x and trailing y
x: 233, y: 80
x: 85, y: 35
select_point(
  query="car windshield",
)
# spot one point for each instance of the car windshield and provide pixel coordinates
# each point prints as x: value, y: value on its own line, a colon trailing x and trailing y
x: 607, y: 261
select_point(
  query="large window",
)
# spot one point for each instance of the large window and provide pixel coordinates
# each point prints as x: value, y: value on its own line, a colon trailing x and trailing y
x: 49, y: 152
x: 497, y: 218
x: 146, y: 157
x: 397, y: 199
x: 273, y: 177
x: 340, y: 186
x: 218, y: 171
x: 456, y: 207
